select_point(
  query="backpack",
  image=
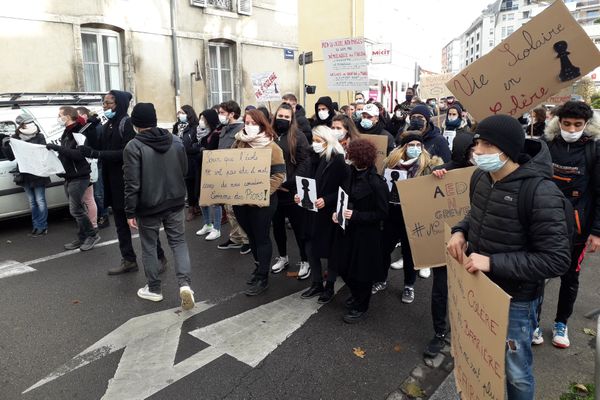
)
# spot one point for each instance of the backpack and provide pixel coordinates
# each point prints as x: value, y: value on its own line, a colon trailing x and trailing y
x: 122, y: 125
x: 525, y: 201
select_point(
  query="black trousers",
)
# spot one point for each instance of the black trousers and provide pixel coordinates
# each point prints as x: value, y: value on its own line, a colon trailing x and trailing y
x: 394, y: 232
x: 256, y: 222
x: 439, y: 300
x: 124, y: 236
x: 361, y: 293
x: 316, y: 267
x: 296, y: 216
x: 192, y: 187
x: 569, y: 286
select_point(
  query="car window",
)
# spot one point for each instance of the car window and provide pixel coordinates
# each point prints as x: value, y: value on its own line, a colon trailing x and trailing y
x: 7, y: 128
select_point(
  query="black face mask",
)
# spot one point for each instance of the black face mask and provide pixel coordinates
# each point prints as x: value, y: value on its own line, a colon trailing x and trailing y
x: 416, y: 125
x: 409, y: 97
x: 282, y: 126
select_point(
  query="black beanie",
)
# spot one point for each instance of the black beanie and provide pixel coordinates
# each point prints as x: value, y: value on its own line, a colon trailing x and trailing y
x: 504, y: 132
x: 409, y: 138
x: 143, y: 115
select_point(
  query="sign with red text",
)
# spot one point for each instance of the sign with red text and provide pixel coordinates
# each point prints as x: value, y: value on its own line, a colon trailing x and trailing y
x: 434, y: 86
x: 345, y: 64
x: 381, y: 53
x: 429, y: 202
x: 478, y: 313
x: 546, y: 54
x: 266, y: 86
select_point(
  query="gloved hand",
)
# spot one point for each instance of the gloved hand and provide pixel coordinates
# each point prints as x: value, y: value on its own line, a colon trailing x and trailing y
x: 88, y: 152
x: 52, y: 146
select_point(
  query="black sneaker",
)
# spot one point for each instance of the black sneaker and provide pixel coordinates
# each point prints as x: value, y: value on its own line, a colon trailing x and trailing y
x: 313, y: 290
x: 349, y: 302
x: 164, y: 263
x: 103, y: 222
x: 89, y: 243
x: 326, y: 296
x: 124, y: 267
x: 354, y: 316
x: 259, y: 286
x: 75, y: 244
x: 435, y: 346
x: 229, y: 245
x: 253, y: 278
x: 39, y: 232
x: 245, y: 249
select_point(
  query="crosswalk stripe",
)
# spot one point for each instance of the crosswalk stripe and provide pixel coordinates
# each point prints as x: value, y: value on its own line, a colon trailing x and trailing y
x: 12, y: 268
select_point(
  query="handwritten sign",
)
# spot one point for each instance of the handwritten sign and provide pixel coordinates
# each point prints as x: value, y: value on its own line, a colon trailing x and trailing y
x: 561, y: 97
x: 434, y: 86
x: 35, y: 159
x: 545, y: 55
x: 381, y: 143
x: 266, y: 86
x: 345, y: 64
x: 428, y: 203
x: 236, y: 177
x: 381, y: 53
x: 478, y: 313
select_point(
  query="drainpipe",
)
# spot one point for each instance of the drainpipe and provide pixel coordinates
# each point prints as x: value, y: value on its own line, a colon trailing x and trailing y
x: 175, y: 56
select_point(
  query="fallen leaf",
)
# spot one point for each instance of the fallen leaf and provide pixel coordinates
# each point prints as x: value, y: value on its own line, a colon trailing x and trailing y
x: 292, y: 274
x: 358, y: 352
x: 581, y: 388
x: 75, y: 302
x: 397, y: 348
x: 413, y: 390
x: 589, y: 331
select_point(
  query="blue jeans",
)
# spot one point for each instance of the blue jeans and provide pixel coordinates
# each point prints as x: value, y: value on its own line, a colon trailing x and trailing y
x: 37, y: 203
x: 99, y: 193
x: 522, y: 320
x: 212, y: 215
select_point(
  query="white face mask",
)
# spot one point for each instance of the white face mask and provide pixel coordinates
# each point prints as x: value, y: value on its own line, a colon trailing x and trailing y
x: 318, y: 147
x: 338, y: 134
x: 202, y: 124
x: 323, y: 115
x: 452, y: 117
x: 252, y: 130
x: 29, y: 129
x: 571, y: 137
x: 60, y: 121
x: 223, y: 119
x: 398, y: 114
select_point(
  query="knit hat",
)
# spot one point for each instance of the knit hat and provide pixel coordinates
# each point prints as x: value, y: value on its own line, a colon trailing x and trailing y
x: 422, y: 110
x: 504, y: 132
x: 143, y: 115
x: 371, y: 109
x: 410, y: 138
x: 23, y: 119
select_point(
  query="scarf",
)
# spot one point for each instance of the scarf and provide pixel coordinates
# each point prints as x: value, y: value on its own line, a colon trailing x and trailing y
x: 410, y: 166
x: 258, y: 142
x: 452, y: 125
x: 180, y: 128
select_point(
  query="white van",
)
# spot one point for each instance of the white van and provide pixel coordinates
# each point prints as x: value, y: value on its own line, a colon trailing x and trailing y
x: 43, y: 107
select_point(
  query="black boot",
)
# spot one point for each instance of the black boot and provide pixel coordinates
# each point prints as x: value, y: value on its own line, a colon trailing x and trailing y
x: 435, y: 345
x: 315, y: 289
x: 259, y: 286
x: 327, y: 295
x: 354, y: 316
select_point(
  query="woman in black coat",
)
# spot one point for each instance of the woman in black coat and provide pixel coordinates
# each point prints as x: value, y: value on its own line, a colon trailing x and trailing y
x: 358, y: 247
x: 185, y: 128
x: 328, y: 168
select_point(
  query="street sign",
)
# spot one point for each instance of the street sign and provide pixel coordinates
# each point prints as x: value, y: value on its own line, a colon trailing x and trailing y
x: 305, y: 58
x: 288, y: 54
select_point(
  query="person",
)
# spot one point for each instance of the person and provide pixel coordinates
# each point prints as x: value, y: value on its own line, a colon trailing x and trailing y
x: 295, y: 153
x: 432, y: 104
x: 414, y: 160
x: 358, y: 247
x: 370, y: 124
x: 406, y: 105
x: 299, y: 114
x: 454, y: 120
x: 256, y: 221
x: 462, y: 149
x: 265, y: 112
x: 77, y: 179
x: 383, y: 114
x: 517, y: 256
x: 116, y: 133
x: 154, y: 167
x: 358, y: 96
x: 435, y: 143
x: 185, y: 128
x: 345, y: 109
x: 328, y: 168
x: 229, y: 115
x: 396, y: 124
x: 536, y: 129
x: 324, y: 112
x: 208, y: 138
x: 344, y: 130
x: 573, y: 141
x: 33, y: 185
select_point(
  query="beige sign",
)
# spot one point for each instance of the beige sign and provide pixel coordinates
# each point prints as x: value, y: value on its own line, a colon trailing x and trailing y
x: 429, y: 202
x: 381, y: 144
x: 478, y: 313
x: 434, y: 86
x: 546, y: 54
x: 236, y: 177
x: 561, y: 97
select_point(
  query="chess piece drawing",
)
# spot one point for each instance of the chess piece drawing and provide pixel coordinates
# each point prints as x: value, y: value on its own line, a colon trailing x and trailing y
x: 394, y: 195
x: 340, y: 213
x: 567, y: 70
x: 306, y: 203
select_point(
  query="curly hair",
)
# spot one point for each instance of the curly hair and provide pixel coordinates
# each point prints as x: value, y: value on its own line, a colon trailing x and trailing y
x: 362, y: 153
x: 574, y: 109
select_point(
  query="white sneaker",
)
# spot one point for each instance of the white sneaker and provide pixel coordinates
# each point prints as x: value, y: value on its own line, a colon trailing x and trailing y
x: 425, y: 273
x: 538, y: 337
x: 281, y: 263
x: 213, y: 235
x: 304, y: 271
x: 187, y: 297
x: 398, y: 264
x: 207, y: 228
x: 560, y: 335
x: 146, y: 294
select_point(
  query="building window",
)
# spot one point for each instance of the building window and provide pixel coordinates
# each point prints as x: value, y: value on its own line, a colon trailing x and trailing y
x: 491, y: 43
x: 221, y: 72
x: 510, y: 17
x: 503, y: 35
x: 477, y: 36
x: 101, y: 60
x: 509, y: 30
x: 477, y: 47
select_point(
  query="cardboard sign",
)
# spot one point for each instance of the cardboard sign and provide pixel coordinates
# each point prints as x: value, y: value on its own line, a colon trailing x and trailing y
x: 561, y: 97
x: 266, y: 86
x: 434, y: 86
x: 236, y: 177
x: 341, y: 207
x: 307, y: 190
x: 478, y: 313
x: 381, y: 144
x: 545, y: 55
x: 429, y: 202
x: 345, y: 64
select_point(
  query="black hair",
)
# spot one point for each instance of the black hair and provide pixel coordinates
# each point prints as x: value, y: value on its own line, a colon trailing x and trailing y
x: 574, y: 109
x: 192, y: 119
x: 231, y: 107
x: 266, y: 112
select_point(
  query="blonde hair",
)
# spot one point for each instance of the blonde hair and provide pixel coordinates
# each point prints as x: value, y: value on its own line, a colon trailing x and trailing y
x: 333, y: 146
x: 426, y: 161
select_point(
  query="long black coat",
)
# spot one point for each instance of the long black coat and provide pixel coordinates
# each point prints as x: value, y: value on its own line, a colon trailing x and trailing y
x: 357, y: 253
x: 192, y: 149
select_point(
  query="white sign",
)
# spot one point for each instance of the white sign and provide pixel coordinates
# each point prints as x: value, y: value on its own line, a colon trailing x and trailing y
x: 266, y: 86
x: 392, y: 176
x: 307, y: 190
x: 450, y: 135
x: 345, y: 64
x: 35, y: 159
x: 341, y: 207
x: 381, y: 53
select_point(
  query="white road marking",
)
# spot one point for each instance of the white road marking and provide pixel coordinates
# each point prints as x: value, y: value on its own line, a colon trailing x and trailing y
x: 12, y: 268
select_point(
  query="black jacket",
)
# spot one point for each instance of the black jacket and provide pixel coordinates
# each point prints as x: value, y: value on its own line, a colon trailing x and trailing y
x: 192, y: 147
x: 378, y: 129
x: 395, y: 126
x: 302, y: 158
x: 28, y: 179
x: 302, y: 122
x: 521, y: 257
x: 580, y: 186
x: 327, y: 102
x: 435, y: 143
x: 461, y: 150
x: 74, y: 163
x: 536, y: 129
x: 154, y: 167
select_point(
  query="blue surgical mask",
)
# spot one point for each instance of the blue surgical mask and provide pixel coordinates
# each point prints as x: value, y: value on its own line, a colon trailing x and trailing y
x: 366, y: 123
x: 413, y: 152
x: 357, y: 115
x: 183, y: 118
x: 489, y: 162
x: 109, y: 114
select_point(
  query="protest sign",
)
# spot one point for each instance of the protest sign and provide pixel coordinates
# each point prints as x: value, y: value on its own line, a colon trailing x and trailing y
x: 381, y: 144
x: 429, y: 202
x: 392, y: 176
x: 236, y: 177
x: 266, y: 86
x: 345, y: 64
x: 449, y: 136
x: 434, y: 86
x: 478, y: 313
x: 381, y: 53
x: 307, y: 190
x: 545, y: 55
x: 341, y: 207
x: 35, y: 159
x: 561, y: 97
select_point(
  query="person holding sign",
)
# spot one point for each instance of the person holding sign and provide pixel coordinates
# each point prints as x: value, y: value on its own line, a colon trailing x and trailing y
x: 412, y: 158
x: 344, y: 130
x: 358, y: 247
x: 435, y: 144
x: 328, y: 168
x: 371, y: 124
x: 517, y: 255
x: 256, y: 221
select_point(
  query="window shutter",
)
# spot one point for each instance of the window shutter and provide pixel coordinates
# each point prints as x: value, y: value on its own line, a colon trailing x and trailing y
x: 245, y: 7
x: 199, y: 3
